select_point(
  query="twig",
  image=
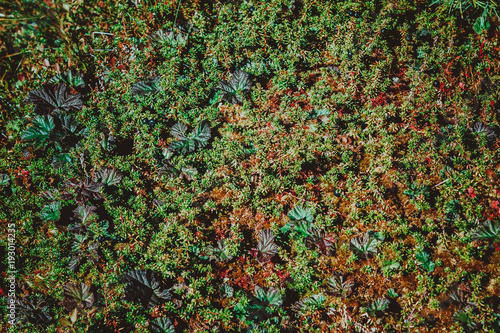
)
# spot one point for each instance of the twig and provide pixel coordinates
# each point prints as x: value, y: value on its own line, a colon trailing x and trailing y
x: 444, y: 181
x: 100, y: 33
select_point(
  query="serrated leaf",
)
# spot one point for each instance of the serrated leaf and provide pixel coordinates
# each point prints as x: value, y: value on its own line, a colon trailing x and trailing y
x: 162, y: 325
x: 299, y: 213
x: 33, y: 311
x: 40, y: 129
x: 274, y: 297
x: 198, y: 138
x: 51, y: 212
x: 422, y: 256
x: 260, y: 293
x: 379, y: 305
x: 83, y: 190
x: 266, y: 247
x: 52, y: 194
x: 318, y: 113
x: 109, y: 176
x: 69, y: 78
x: 169, y: 38
x: 233, y: 90
x: 69, y: 123
x: 221, y: 252
x: 423, y: 260
x: 74, y: 263
x: 317, y: 301
x: 168, y: 171
x: 488, y: 232
x: 364, y: 245
x: 338, y: 285
x: 271, y: 297
x: 55, y: 98
x: 84, y: 213
x: 77, y: 296
x: 183, y: 146
x: 240, y: 81
x: 144, y: 288
x: 178, y: 131
x: 145, y: 87
x: 202, y: 134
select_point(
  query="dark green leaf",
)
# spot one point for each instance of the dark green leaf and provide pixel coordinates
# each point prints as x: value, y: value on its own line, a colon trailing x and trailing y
x: 51, y: 212
x: 148, y: 86
x: 144, y: 288
x: 162, y: 325
x: 40, y: 129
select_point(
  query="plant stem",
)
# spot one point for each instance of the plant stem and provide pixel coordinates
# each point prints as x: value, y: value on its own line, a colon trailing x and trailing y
x: 177, y: 12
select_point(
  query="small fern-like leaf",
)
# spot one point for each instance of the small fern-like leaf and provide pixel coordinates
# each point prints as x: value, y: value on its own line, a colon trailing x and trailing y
x: 489, y: 232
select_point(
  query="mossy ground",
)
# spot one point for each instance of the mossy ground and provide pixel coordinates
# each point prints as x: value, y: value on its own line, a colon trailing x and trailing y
x: 378, y: 117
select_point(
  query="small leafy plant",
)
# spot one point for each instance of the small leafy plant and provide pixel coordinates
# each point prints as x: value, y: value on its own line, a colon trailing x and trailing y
x: 55, y: 99
x: 187, y: 143
x: 299, y: 213
x: 233, y: 90
x: 266, y: 248
x: 365, y: 245
x: 482, y: 129
x: 51, y: 212
x: 169, y: 38
x: 39, y: 130
x: 259, y: 308
x: 377, y: 307
x: 83, y: 249
x: 162, y: 325
x: 310, y: 304
x: 82, y: 190
x: 33, y: 310
x: 109, y: 176
x: 77, y: 296
x: 146, y: 87
x: 339, y: 285
x: 424, y: 261
x: 143, y: 288
x: 490, y: 231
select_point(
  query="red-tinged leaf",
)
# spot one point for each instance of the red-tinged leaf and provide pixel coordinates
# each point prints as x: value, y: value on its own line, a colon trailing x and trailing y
x: 54, y: 98
x: 494, y: 204
x: 492, y: 175
x: 471, y: 192
x: 77, y: 296
x: 266, y: 248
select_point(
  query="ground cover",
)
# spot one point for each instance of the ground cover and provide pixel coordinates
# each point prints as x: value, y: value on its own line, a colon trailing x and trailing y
x: 225, y: 166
